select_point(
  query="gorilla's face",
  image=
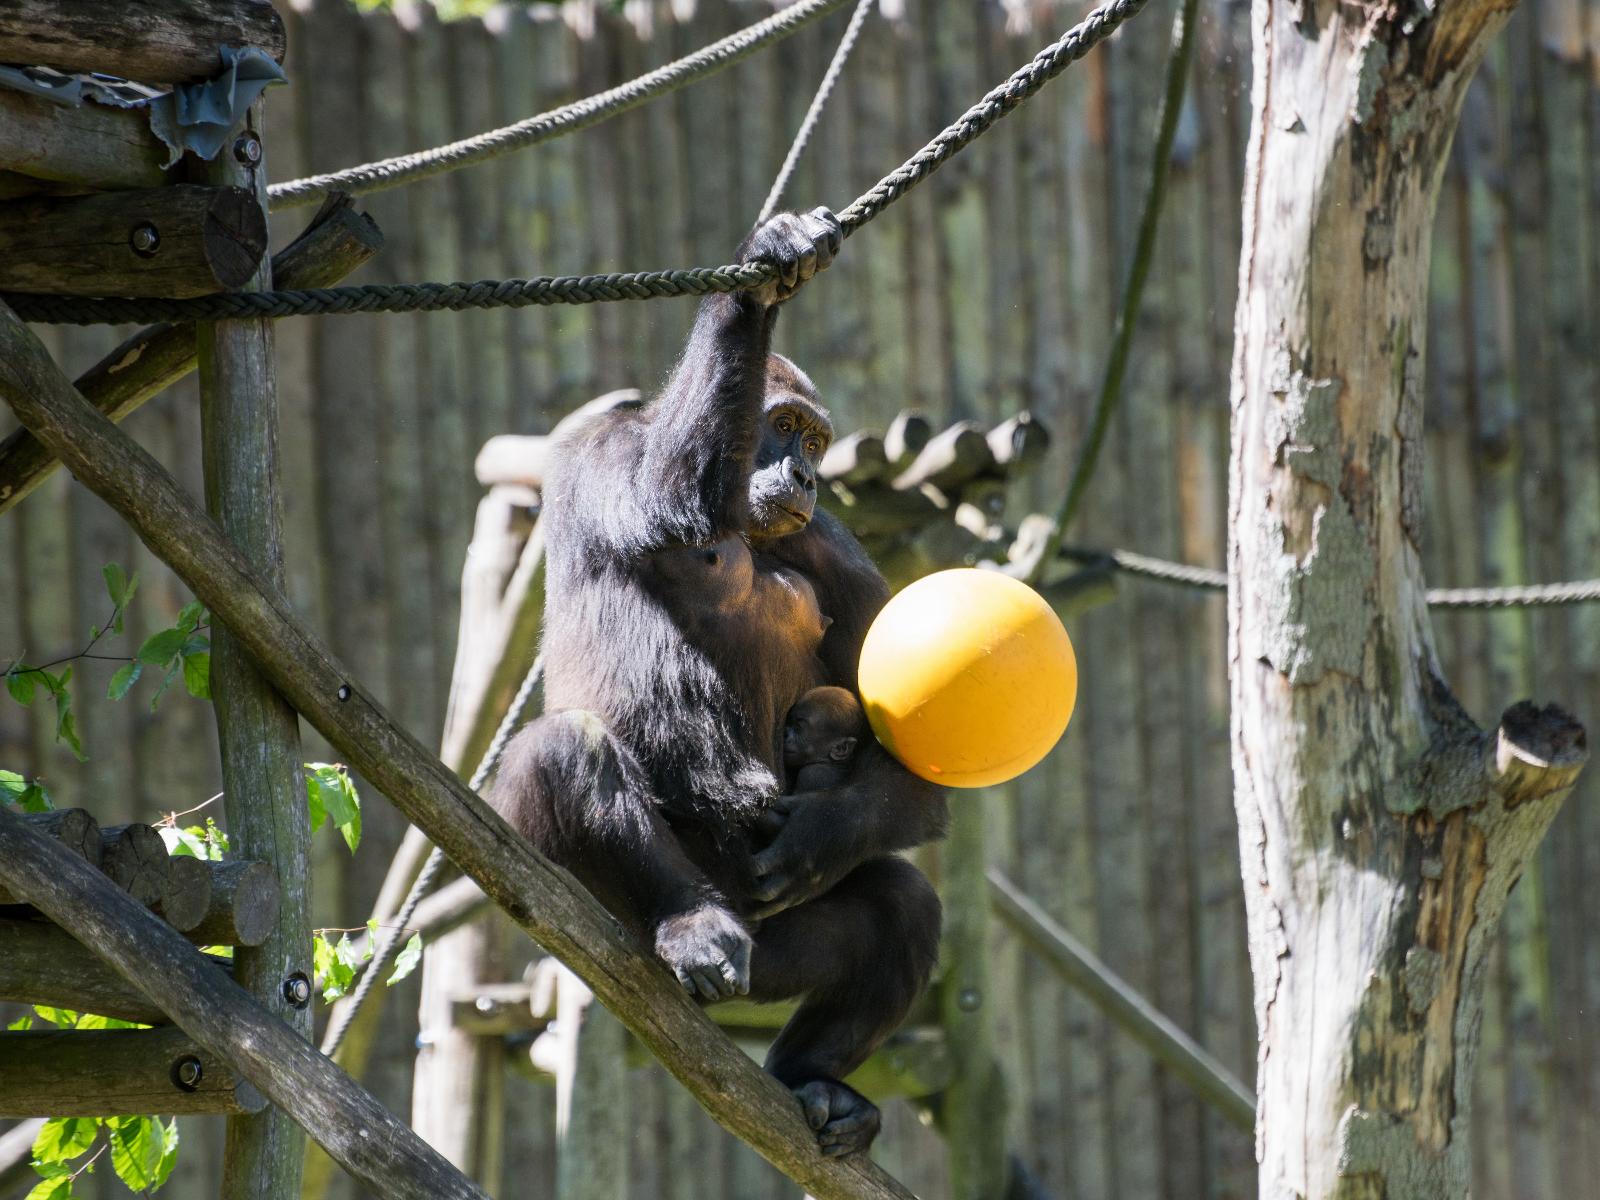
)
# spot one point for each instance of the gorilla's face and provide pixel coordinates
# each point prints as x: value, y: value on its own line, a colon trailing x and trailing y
x: 795, y: 434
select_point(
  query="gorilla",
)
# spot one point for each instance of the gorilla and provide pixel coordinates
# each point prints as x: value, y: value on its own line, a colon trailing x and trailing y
x: 694, y: 593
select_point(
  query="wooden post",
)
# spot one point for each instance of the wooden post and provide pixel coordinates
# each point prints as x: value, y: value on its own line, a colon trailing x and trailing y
x: 972, y: 1113
x: 591, y: 1093
x: 259, y: 734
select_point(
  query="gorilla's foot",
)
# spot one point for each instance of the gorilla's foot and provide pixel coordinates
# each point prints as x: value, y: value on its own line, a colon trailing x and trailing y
x: 845, y: 1121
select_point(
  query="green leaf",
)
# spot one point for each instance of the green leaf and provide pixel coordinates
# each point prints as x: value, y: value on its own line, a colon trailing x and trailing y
x: 336, y: 974
x: 63, y: 1138
x: 27, y: 794
x: 192, y: 615
x: 63, y: 1017
x: 96, y: 1021
x: 20, y: 683
x: 166, y: 682
x: 67, y: 725
x: 331, y: 795
x: 116, y: 583
x: 188, y: 842
x: 406, y: 961
x: 197, y: 674
x: 169, y: 1152
x: 123, y: 680
x: 138, y: 1145
x: 24, y: 1022
x: 57, y: 1188
x: 161, y: 648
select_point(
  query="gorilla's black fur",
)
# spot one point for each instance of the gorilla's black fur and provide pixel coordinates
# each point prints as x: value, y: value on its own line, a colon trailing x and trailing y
x: 694, y: 594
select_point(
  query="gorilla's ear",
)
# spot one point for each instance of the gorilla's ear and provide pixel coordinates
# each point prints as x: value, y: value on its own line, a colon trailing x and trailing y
x: 826, y: 622
x: 842, y: 749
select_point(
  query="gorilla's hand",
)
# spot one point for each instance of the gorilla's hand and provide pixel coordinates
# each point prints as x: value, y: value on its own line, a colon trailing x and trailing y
x: 813, y: 847
x: 798, y: 245
x: 708, y: 950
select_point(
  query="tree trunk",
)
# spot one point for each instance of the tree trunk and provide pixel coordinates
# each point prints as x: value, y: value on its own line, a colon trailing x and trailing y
x: 1380, y: 829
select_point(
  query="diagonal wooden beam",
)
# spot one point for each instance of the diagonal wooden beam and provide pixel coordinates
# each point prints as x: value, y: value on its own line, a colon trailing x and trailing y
x: 543, y: 899
x: 224, y: 1019
x: 338, y: 240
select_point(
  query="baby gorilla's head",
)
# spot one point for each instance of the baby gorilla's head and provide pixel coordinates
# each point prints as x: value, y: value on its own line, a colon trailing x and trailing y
x: 823, y: 727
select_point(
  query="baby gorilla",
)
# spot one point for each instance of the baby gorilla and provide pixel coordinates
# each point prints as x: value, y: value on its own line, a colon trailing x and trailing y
x: 820, y: 736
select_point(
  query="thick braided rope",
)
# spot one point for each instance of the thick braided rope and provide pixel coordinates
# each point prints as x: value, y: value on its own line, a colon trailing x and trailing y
x: 590, y: 289
x: 1581, y: 591
x: 808, y: 126
x: 569, y: 118
x: 393, y: 934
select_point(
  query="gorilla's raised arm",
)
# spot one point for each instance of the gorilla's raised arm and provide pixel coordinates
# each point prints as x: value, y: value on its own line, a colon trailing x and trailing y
x: 699, y: 436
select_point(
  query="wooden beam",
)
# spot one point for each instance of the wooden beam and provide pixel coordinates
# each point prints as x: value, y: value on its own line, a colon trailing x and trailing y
x: 1128, y: 1010
x: 544, y: 900
x: 221, y: 903
x: 338, y: 240
x: 357, y: 1132
x: 257, y: 730
x: 73, y: 828
x: 168, y: 241
x: 91, y: 146
x: 41, y: 964
x: 111, y: 1072
x: 153, y: 41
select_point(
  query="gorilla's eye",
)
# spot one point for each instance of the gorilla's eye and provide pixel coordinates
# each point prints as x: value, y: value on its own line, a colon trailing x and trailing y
x: 784, y: 424
x: 814, y: 446
x: 711, y: 557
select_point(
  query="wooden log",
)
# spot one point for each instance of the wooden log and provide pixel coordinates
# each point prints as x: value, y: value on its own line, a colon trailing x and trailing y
x: 221, y: 903
x: 338, y: 240
x: 908, y: 433
x: 1131, y: 1012
x: 951, y: 458
x: 41, y: 964
x: 224, y: 1019
x: 856, y: 458
x: 512, y: 458
x: 153, y: 41
x: 1018, y: 443
x: 257, y: 731
x: 135, y: 858
x: 539, y: 897
x: 73, y: 828
x: 171, y: 241
x: 110, y: 1072
x: 89, y: 147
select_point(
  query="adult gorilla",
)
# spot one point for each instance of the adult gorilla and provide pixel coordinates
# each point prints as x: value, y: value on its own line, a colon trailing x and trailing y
x: 694, y: 594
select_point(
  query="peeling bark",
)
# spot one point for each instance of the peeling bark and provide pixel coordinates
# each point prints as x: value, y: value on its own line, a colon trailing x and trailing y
x: 1380, y: 829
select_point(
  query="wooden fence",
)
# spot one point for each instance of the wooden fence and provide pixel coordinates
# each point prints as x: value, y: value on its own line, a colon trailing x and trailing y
x: 989, y: 290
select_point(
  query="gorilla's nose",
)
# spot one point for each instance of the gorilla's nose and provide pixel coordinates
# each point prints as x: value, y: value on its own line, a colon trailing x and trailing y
x: 798, y: 473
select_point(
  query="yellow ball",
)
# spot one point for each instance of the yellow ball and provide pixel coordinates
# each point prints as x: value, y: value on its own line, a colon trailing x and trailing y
x: 968, y: 677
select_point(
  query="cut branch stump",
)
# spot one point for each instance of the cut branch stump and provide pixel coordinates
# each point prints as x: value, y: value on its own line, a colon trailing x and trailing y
x: 73, y: 828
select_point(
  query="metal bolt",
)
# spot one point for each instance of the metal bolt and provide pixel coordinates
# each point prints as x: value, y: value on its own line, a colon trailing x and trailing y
x: 297, y: 990
x: 969, y: 1000
x: 187, y: 1073
x: 145, y: 240
x: 344, y: 692
x: 247, y: 149
x: 487, y: 1005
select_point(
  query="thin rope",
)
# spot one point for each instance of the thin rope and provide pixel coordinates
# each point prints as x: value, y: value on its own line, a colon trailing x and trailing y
x: 569, y: 118
x: 808, y: 126
x: 1580, y: 591
x: 1178, y: 65
x: 393, y: 935
x: 587, y: 289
